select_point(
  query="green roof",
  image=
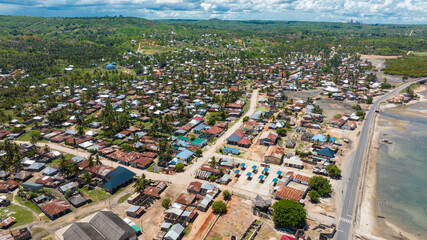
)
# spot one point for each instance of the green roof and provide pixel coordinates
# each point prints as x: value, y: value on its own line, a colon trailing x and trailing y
x: 199, y: 140
x: 183, y: 138
x: 136, y: 228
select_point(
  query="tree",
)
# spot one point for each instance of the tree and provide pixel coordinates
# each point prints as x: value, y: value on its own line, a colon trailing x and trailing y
x: 314, y: 196
x: 369, y: 100
x: 213, y: 162
x: 281, y: 131
x: 330, y: 94
x: 333, y: 170
x: 35, y: 136
x: 166, y: 203
x: 245, y: 119
x: 179, y: 167
x: 87, y: 177
x: 140, y: 183
x: 321, y: 185
x: 219, y: 207
x: 226, y: 194
x: 199, y: 152
x: 288, y: 214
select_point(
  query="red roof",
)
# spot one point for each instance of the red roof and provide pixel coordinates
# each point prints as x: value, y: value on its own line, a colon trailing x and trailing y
x: 244, y: 141
x: 284, y: 237
x: 239, y: 133
x: 215, y: 130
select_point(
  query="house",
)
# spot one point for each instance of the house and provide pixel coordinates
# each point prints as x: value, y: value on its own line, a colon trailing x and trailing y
x: 235, y: 137
x: 268, y: 138
x: 307, y: 136
x: 135, y: 211
x: 118, y: 178
x: 337, y: 123
x: 244, y: 142
x: 104, y: 225
x: 290, y: 143
x: 185, y: 155
x: 175, y: 232
x: 55, y: 208
x: 21, y: 234
x: 285, y: 192
x: 326, y: 152
x: 197, y: 129
x: 199, y: 142
x: 274, y: 155
x: 293, y: 162
x: 350, y: 125
x: 34, y: 187
x: 233, y: 151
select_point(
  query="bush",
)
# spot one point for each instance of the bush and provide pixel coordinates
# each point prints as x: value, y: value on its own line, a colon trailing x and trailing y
x: 314, y: 196
x: 245, y: 119
x: 337, y: 116
x: 281, y: 131
x: 179, y: 167
x: 166, y: 202
x: 288, y: 214
x: 219, y: 207
x: 333, y: 170
x: 369, y: 100
x: 226, y: 194
x: 321, y: 185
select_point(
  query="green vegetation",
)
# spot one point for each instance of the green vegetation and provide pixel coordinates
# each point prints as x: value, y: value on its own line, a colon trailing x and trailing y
x: 166, y: 203
x: 123, y: 198
x: 333, y: 170
x: 321, y: 185
x: 187, y: 229
x: 219, y: 207
x: 409, y: 66
x: 96, y: 194
x: 22, y: 215
x: 314, y: 196
x: 28, y: 204
x: 226, y: 194
x: 337, y: 116
x: 40, y: 232
x: 281, y: 131
x: 288, y: 214
x: 179, y: 167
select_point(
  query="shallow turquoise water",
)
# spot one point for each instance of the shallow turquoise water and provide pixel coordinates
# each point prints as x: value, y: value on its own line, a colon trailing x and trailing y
x: 402, y: 173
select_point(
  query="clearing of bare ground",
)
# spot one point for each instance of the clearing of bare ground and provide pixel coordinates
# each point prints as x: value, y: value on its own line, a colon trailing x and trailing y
x: 235, y: 222
x: 332, y: 107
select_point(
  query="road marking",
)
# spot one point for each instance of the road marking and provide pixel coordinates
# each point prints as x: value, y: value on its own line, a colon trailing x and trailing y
x: 345, y: 220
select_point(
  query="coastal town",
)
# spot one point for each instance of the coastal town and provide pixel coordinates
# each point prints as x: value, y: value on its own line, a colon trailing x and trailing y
x: 190, y: 144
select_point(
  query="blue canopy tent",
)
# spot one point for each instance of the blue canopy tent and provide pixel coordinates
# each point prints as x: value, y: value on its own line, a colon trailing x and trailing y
x: 243, y: 165
x: 248, y: 174
x: 261, y: 177
x: 275, y: 180
x: 237, y: 172
x: 266, y: 170
x: 279, y: 173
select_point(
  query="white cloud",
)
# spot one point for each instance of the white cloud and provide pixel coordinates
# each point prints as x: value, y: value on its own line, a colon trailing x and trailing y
x: 382, y: 11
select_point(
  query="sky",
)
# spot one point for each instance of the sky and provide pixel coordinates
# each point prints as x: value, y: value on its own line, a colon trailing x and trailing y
x: 366, y: 11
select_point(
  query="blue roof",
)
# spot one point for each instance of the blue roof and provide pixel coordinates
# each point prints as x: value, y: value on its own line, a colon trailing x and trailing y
x: 319, y: 137
x: 185, y: 154
x: 237, y: 171
x: 175, y: 161
x: 117, y: 177
x: 234, y: 138
x: 231, y: 149
x: 279, y: 172
x: 254, y: 167
x: 275, y: 180
x: 266, y: 169
x: 332, y: 139
x: 110, y: 66
x: 327, y: 152
x: 243, y: 164
x: 248, y: 174
x: 261, y: 177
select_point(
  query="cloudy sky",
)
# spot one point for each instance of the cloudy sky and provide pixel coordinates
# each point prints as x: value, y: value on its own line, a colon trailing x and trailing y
x: 367, y: 11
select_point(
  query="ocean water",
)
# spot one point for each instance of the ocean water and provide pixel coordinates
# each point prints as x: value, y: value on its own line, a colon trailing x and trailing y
x: 402, y: 171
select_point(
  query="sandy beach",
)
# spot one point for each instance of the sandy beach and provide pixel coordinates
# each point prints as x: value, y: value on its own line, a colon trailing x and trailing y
x: 371, y: 223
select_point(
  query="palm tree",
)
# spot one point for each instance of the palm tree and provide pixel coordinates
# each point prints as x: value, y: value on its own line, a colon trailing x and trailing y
x: 87, y: 177
x: 213, y: 162
x: 90, y: 162
x: 97, y: 160
x: 140, y: 183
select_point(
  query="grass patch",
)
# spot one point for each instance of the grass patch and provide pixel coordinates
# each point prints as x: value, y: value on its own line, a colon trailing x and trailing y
x: 28, y: 204
x: 26, y: 136
x: 22, y: 215
x: 412, y: 66
x: 187, y: 230
x: 124, y: 198
x: 96, y: 194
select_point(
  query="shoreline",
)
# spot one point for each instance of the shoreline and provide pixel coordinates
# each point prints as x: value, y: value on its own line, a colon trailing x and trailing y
x: 370, y: 221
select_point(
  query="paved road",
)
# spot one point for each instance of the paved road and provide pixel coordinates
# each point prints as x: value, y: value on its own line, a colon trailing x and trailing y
x: 346, y: 219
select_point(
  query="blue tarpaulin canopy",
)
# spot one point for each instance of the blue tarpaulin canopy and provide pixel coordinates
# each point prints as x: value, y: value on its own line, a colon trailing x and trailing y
x: 275, y: 180
x: 266, y: 169
x: 279, y: 172
x: 254, y: 167
x: 243, y: 164
x: 248, y: 174
x: 237, y: 171
x: 261, y: 177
